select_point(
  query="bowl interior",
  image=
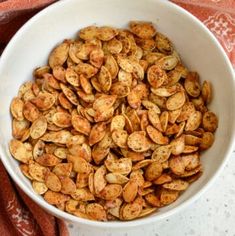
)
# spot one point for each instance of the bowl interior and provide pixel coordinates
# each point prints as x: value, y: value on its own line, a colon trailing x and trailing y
x: 197, y: 48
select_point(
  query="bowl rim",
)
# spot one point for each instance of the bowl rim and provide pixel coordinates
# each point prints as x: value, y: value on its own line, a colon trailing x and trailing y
x: 141, y: 221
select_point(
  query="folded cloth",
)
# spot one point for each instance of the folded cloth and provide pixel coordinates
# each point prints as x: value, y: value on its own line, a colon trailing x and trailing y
x: 14, y: 13
x: 19, y: 215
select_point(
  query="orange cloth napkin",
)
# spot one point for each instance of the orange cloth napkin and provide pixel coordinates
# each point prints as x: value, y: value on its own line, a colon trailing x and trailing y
x: 14, y: 13
x: 219, y: 17
x: 18, y: 214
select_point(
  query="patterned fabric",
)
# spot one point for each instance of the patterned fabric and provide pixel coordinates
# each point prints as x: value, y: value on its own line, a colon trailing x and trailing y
x: 219, y: 17
x: 18, y: 214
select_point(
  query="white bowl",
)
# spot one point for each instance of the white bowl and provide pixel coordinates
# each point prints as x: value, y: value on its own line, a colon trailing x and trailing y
x: 198, y: 48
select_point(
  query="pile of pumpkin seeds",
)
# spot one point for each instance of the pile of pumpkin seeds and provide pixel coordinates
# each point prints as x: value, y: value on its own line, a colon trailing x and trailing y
x: 113, y: 127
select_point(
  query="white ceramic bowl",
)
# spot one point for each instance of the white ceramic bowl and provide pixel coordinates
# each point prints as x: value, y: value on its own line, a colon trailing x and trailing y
x: 197, y: 46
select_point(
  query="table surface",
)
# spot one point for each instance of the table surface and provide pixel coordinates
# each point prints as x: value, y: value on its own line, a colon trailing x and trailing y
x: 213, y: 214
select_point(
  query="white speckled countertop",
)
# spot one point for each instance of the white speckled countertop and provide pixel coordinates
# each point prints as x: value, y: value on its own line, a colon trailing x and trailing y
x: 211, y: 215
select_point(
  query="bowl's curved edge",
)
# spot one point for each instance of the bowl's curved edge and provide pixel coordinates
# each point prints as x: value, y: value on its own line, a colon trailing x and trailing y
x: 137, y: 222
